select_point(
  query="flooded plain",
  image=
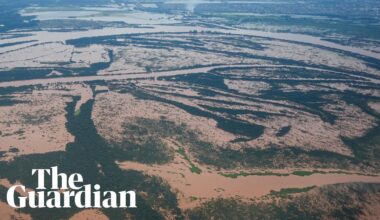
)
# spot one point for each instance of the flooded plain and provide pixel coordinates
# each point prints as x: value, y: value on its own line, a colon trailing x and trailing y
x: 199, y: 108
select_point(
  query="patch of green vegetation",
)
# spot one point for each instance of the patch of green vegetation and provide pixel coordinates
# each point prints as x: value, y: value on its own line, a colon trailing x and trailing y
x: 242, y: 173
x: 296, y: 173
x: 286, y: 191
x: 77, y: 112
x: 309, y: 173
x: 193, y: 167
x: 193, y: 198
x: 303, y: 173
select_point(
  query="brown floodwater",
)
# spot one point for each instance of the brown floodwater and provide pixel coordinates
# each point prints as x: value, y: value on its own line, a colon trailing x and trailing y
x: 209, y: 184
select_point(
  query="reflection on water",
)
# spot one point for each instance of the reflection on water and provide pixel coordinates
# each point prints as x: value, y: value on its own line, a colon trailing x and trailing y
x: 154, y: 23
x: 109, y: 14
x: 45, y: 36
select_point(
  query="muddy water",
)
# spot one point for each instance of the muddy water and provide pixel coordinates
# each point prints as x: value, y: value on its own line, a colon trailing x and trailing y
x: 6, y: 212
x: 210, y: 184
x: 89, y: 214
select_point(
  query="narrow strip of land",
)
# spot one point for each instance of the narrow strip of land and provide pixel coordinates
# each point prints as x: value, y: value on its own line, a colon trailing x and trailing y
x: 46, y: 36
x: 142, y: 75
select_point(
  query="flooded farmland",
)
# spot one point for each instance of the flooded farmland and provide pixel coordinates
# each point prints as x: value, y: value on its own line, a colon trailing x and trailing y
x: 205, y: 109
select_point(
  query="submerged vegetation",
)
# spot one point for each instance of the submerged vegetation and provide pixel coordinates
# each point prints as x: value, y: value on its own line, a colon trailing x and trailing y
x: 295, y: 173
x: 344, y: 201
x: 272, y: 157
x: 193, y: 167
x: 242, y: 173
x: 287, y: 191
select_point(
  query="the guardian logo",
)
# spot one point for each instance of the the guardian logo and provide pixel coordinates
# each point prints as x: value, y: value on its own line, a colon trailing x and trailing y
x: 67, y: 192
